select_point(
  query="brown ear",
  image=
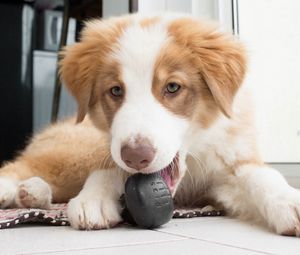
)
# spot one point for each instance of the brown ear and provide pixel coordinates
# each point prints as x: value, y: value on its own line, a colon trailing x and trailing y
x: 76, y: 71
x: 78, y: 65
x: 81, y: 61
x: 221, y: 58
x: 223, y: 67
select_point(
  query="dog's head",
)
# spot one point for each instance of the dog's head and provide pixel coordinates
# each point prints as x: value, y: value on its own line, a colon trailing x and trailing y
x: 146, y: 81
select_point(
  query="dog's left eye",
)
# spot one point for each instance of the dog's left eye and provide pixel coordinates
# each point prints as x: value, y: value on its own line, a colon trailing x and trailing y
x: 116, y: 91
x: 172, y: 87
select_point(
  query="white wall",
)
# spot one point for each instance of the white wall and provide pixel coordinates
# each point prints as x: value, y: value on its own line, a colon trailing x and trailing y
x: 202, y: 8
x: 217, y: 10
x: 271, y: 31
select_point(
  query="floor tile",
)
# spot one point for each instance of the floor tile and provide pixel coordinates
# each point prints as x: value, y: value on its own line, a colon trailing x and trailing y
x: 184, y: 247
x: 235, y: 233
x: 31, y: 239
x: 209, y: 235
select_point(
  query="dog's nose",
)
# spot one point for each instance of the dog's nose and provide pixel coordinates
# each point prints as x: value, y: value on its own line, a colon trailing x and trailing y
x: 138, y: 157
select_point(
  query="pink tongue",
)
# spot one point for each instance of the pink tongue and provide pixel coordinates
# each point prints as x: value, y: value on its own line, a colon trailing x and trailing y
x: 167, y: 178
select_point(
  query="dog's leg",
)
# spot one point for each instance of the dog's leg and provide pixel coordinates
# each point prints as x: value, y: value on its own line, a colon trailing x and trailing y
x: 19, y: 188
x: 8, y: 189
x: 260, y: 192
x: 97, y: 205
x: 10, y: 176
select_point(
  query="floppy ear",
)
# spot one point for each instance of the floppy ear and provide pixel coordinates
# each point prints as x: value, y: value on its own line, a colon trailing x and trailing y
x: 221, y: 59
x: 76, y: 71
x: 223, y: 67
x: 81, y: 61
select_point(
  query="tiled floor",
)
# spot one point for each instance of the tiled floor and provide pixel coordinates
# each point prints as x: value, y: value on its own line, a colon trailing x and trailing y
x: 216, y: 236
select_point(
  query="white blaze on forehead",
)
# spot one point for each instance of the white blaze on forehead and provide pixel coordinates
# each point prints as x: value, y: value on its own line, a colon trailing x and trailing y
x: 137, y: 52
x: 141, y: 115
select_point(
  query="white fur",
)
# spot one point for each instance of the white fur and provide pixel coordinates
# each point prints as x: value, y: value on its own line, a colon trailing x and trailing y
x: 215, y: 145
x: 261, y: 193
x: 252, y: 191
x: 246, y: 190
x: 141, y: 115
x: 97, y: 205
x: 8, y: 190
x: 33, y: 192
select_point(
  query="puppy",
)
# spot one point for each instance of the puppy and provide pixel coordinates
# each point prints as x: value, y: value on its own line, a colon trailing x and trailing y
x: 163, y: 94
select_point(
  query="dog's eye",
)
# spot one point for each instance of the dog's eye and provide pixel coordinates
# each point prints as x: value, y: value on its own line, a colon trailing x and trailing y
x: 116, y: 91
x: 172, y: 87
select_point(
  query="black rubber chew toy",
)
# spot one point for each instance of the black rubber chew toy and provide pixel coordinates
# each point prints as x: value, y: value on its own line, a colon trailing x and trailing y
x: 147, y: 201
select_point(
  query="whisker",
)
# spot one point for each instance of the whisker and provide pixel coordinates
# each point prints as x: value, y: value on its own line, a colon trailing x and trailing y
x: 203, y: 169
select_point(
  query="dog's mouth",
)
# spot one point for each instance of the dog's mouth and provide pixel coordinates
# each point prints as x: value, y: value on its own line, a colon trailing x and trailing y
x: 170, y: 173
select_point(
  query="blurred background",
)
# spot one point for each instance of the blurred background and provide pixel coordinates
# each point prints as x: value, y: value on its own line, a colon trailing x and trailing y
x: 31, y: 36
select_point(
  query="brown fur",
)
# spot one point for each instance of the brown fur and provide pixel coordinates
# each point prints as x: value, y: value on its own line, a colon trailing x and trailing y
x: 103, y: 106
x: 223, y: 163
x: 63, y: 155
x: 149, y: 21
x: 84, y: 61
x: 194, y: 100
x: 220, y: 59
x: 208, y: 65
x: 174, y: 65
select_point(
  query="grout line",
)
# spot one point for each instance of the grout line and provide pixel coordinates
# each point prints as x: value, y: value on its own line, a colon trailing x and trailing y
x: 215, y: 242
x: 107, y: 247
x: 178, y: 221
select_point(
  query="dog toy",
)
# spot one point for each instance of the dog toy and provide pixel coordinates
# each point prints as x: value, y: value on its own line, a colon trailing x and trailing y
x: 147, y: 201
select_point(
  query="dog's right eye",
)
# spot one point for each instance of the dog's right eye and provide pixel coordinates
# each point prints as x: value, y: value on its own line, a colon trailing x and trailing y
x: 172, y: 87
x: 116, y: 91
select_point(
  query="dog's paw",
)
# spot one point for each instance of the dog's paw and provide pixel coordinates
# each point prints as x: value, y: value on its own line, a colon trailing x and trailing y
x: 7, y: 192
x: 91, y: 213
x: 34, y: 193
x: 283, y: 213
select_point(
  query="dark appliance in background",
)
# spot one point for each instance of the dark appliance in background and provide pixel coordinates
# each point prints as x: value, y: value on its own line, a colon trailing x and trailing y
x: 16, y: 26
x: 29, y: 28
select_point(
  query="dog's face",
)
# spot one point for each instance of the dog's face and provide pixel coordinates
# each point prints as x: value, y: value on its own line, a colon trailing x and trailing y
x: 148, y: 81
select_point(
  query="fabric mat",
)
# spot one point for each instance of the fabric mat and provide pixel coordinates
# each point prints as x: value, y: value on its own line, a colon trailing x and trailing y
x: 57, y: 216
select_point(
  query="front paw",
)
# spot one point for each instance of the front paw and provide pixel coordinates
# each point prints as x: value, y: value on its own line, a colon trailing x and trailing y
x: 92, y: 213
x: 283, y: 213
